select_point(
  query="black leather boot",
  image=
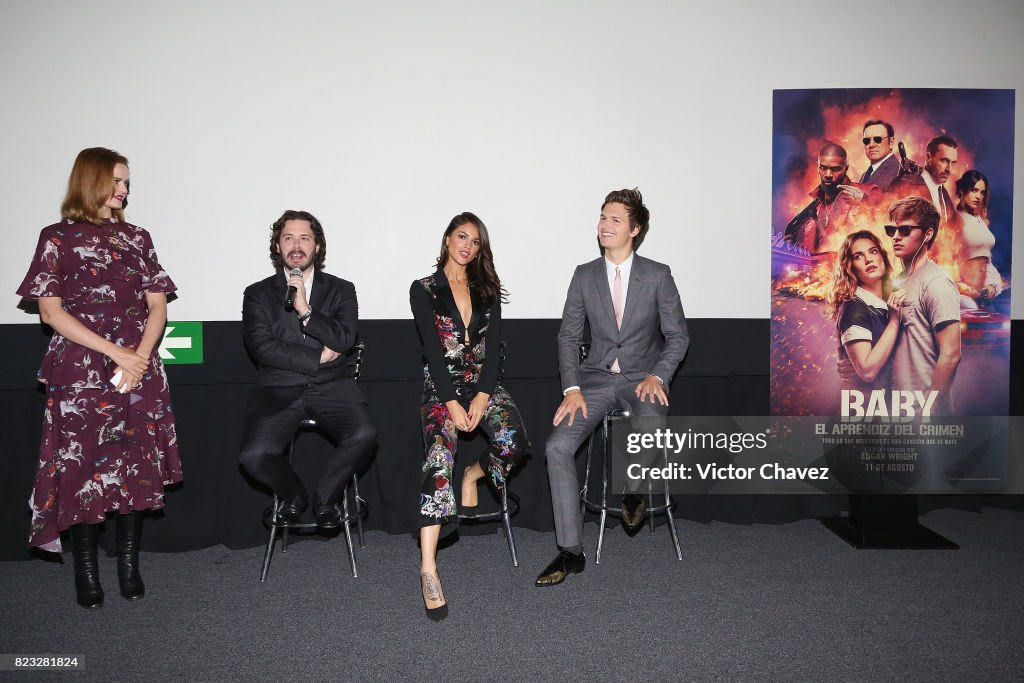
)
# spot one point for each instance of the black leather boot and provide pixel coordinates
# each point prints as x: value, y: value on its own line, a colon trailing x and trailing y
x: 89, y: 592
x: 128, y: 536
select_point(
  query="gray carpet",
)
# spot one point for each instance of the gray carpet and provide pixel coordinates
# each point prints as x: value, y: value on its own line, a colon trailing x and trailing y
x: 789, y: 602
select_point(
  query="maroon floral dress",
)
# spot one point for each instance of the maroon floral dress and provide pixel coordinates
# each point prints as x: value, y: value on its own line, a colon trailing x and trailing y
x: 100, y: 450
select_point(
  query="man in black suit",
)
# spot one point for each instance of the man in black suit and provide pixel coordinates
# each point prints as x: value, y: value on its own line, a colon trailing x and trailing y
x: 885, y: 167
x: 300, y: 341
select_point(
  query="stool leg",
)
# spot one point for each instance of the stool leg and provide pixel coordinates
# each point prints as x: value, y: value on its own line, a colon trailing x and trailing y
x: 348, y: 535
x: 267, y: 554
x: 586, y: 478
x: 359, y: 510
x: 284, y: 530
x: 604, y: 491
x: 507, y: 521
x: 650, y: 503
x: 671, y: 521
x: 672, y: 531
x: 270, y: 543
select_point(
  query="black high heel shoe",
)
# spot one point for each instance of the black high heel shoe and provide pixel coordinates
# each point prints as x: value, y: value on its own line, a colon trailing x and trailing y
x: 430, y: 587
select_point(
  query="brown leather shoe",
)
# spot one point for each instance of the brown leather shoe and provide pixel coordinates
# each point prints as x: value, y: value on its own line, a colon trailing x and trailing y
x: 633, y: 508
x: 566, y: 563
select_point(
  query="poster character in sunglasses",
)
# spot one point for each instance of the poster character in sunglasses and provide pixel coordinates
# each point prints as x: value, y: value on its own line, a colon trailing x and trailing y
x: 866, y: 311
x: 979, y: 281
x: 836, y: 200
x: 884, y: 167
x: 927, y: 350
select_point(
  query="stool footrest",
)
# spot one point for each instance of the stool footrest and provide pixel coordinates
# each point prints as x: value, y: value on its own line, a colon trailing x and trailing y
x: 603, y: 508
x: 513, y: 509
x: 656, y: 510
x: 351, y: 518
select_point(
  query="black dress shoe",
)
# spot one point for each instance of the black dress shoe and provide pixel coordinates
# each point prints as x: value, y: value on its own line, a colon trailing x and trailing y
x: 289, y: 512
x: 328, y: 515
x: 566, y: 563
x: 633, y: 508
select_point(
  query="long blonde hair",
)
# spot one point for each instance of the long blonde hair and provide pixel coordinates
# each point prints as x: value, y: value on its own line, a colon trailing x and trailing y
x: 843, y: 285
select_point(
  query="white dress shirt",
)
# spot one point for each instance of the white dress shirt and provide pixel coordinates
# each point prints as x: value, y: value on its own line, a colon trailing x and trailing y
x: 624, y: 269
x: 933, y: 190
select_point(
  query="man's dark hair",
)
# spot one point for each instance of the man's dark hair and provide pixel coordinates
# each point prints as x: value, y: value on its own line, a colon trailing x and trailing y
x: 319, y: 258
x: 879, y: 122
x: 933, y: 144
x: 639, y: 216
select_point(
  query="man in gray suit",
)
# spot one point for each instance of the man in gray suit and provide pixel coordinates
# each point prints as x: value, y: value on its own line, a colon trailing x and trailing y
x: 638, y: 338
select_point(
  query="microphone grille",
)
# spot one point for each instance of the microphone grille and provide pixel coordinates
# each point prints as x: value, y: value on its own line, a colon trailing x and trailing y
x: 295, y: 272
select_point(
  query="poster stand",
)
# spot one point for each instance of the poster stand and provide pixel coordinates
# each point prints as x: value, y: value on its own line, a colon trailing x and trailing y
x: 885, y: 522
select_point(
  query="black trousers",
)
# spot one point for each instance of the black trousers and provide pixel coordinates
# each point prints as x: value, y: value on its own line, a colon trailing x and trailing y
x: 273, y: 415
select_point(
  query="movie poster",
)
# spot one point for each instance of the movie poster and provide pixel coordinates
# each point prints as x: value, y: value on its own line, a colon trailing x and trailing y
x: 891, y: 242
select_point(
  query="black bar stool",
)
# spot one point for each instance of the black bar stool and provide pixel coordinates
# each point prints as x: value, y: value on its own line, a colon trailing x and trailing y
x: 361, y: 510
x: 601, y: 507
x: 509, y: 502
x: 509, y: 505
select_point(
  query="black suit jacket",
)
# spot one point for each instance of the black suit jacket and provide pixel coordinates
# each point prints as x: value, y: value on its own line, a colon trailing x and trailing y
x: 442, y: 336
x: 288, y: 354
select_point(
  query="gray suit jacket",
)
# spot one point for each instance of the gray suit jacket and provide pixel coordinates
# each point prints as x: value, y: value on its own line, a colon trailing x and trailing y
x: 653, y: 338
x: 885, y: 175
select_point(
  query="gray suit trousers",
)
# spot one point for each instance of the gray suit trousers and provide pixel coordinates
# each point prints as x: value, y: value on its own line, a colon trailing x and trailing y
x: 605, y: 394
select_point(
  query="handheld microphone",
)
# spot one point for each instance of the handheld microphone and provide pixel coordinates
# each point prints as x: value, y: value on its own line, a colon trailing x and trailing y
x: 289, y: 300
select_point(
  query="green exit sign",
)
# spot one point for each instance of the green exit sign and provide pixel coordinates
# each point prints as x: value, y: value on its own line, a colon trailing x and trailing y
x: 182, y: 343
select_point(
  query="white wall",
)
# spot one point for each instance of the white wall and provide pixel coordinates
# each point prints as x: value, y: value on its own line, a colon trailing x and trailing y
x: 387, y: 118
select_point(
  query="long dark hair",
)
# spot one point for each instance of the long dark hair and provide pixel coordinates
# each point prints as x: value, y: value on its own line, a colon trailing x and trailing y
x: 965, y: 184
x: 481, y: 273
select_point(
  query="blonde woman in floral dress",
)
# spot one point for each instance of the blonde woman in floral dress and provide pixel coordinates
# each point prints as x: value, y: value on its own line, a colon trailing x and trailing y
x: 108, y: 442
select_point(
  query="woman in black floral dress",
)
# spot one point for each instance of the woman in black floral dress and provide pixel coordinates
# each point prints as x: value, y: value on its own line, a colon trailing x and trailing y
x: 458, y: 315
x: 108, y: 442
